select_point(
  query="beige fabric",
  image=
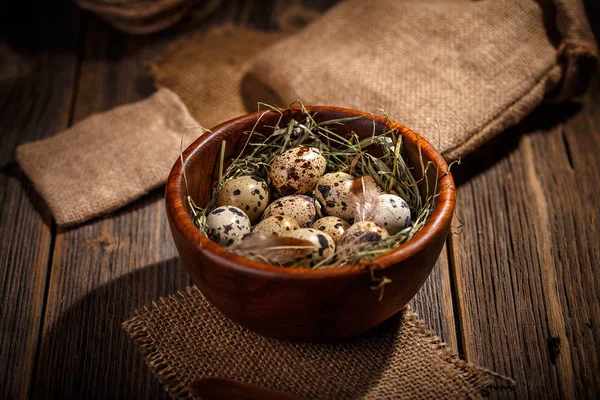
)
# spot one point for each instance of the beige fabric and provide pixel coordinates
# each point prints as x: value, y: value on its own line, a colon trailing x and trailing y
x: 184, y: 338
x: 108, y: 159
x: 476, y: 66
x: 207, y: 71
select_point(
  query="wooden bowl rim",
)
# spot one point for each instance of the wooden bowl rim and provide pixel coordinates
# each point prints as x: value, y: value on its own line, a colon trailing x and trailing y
x: 437, y: 224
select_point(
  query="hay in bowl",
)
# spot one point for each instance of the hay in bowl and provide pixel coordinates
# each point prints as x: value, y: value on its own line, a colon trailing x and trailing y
x: 379, y: 158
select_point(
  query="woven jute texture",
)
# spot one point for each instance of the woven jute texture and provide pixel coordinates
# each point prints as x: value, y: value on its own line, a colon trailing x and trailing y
x: 108, y: 159
x: 184, y: 338
x: 207, y: 70
x: 477, y: 67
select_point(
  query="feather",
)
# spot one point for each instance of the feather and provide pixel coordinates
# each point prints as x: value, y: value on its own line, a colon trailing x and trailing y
x: 274, y: 249
x: 365, y: 194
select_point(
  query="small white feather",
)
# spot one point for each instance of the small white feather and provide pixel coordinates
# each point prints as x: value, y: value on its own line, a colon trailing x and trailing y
x: 365, y: 195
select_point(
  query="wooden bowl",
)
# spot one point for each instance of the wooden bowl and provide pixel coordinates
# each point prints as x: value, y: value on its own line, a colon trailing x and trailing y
x: 296, y: 303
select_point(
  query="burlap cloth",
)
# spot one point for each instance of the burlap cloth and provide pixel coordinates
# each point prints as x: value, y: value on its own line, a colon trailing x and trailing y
x: 184, y: 338
x: 207, y: 70
x: 476, y: 66
x: 109, y: 159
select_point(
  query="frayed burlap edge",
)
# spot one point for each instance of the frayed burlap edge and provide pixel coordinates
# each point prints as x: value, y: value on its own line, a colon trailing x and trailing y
x: 160, y: 367
x: 481, y: 379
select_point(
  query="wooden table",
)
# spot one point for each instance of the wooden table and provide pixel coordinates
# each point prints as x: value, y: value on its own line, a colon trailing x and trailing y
x: 516, y: 290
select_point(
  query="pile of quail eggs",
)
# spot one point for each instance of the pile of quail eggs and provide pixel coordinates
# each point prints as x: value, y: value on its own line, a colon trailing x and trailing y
x: 302, y: 201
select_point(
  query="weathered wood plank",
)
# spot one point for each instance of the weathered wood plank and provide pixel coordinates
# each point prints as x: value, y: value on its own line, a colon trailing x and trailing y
x: 104, y: 270
x: 525, y: 262
x: 434, y: 303
x: 38, y: 53
x: 24, y: 253
x: 36, y: 84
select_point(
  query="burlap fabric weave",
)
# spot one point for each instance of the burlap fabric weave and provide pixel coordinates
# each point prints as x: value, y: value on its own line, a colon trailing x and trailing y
x: 184, y: 338
x: 108, y: 159
x: 477, y: 67
x: 207, y: 70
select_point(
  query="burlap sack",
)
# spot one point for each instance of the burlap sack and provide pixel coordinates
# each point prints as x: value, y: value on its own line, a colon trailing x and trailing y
x: 108, y: 159
x: 476, y: 66
x: 184, y: 338
x: 207, y: 70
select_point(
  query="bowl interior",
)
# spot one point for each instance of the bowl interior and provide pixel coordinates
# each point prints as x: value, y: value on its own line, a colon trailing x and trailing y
x: 201, y: 160
x: 203, y: 178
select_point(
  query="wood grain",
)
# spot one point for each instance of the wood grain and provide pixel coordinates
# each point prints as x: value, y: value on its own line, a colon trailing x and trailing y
x: 34, y: 103
x: 104, y: 270
x: 37, y: 71
x: 218, y: 388
x: 434, y: 303
x: 526, y: 262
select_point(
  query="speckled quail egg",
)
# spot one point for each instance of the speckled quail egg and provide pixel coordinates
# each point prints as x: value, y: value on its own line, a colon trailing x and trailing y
x: 333, y: 226
x: 324, y: 246
x: 297, y: 170
x: 249, y: 193
x: 227, y: 224
x: 277, y: 225
x: 298, y: 207
x: 333, y: 192
x: 391, y: 213
x: 363, y: 232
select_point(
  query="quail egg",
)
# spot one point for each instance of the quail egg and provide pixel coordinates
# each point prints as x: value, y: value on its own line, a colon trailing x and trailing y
x: 277, y: 225
x: 297, y: 170
x: 333, y: 226
x: 363, y: 232
x: 298, y: 207
x: 227, y: 224
x: 324, y: 246
x: 249, y: 193
x: 392, y: 213
x: 333, y: 192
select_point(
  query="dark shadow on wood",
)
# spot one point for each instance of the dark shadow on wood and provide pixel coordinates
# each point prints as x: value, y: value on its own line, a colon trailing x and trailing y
x: 12, y: 170
x: 87, y: 354
x: 592, y: 8
x: 33, y: 26
x: 542, y: 119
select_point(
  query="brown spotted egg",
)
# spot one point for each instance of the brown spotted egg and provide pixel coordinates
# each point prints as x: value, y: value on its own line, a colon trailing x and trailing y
x: 363, y: 232
x: 324, y: 246
x: 391, y: 213
x: 298, y: 207
x: 333, y: 226
x: 249, y: 193
x: 277, y: 225
x: 297, y: 170
x: 226, y: 225
x: 333, y: 192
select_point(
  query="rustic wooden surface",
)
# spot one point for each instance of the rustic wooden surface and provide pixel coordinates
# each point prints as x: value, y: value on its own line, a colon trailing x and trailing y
x: 516, y: 290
